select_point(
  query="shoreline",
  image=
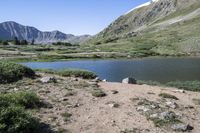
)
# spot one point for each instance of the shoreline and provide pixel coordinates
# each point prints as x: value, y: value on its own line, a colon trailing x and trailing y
x: 30, y: 59
x: 74, y: 104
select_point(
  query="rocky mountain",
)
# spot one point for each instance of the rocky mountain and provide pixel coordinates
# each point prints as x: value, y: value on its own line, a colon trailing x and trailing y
x: 161, y: 22
x: 9, y: 30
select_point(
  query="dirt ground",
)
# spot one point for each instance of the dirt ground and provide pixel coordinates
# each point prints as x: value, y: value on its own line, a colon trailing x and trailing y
x: 73, y: 108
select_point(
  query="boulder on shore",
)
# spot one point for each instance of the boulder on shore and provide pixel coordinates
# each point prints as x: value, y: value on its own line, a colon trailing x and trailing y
x: 48, y: 80
x: 129, y: 80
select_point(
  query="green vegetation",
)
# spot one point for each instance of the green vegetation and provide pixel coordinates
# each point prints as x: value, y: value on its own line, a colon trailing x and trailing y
x: 16, y: 120
x: 13, y: 116
x: 24, y: 99
x: 144, y: 102
x: 25, y: 53
x: 16, y: 41
x: 169, y: 96
x: 97, y: 92
x: 167, y: 121
x: 77, y: 73
x: 196, y: 101
x: 66, y: 116
x: 70, y: 73
x: 11, y: 72
x: 177, y: 39
x: 4, y: 43
x: 185, y: 85
x: 158, y: 114
x: 134, y: 130
x: 23, y: 42
x: 119, y: 40
x: 70, y: 93
x: 152, y: 83
x: 62, y: 44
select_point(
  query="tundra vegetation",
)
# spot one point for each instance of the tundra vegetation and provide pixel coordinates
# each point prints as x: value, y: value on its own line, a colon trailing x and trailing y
x: 20, y: 103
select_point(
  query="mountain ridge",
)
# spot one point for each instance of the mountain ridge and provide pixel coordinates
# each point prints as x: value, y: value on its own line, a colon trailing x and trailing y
x: 171, y: 26
x: 11, y: 29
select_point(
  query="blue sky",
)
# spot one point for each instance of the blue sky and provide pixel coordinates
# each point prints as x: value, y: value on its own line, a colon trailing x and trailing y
x: 69, y: 16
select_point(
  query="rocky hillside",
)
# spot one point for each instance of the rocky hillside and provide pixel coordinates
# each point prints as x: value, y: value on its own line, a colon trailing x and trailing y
x: 9, y: 30
x: 160, y: 23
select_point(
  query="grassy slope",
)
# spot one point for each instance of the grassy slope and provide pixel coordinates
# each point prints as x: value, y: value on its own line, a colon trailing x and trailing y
x: 178, y: 39
x: 181, y: 38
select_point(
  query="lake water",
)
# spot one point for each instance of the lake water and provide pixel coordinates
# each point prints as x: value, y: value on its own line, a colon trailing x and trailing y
x: 155, y: 69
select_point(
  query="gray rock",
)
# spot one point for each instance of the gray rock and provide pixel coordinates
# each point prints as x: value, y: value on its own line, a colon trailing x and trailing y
x: 143, y: 109
x: 172, y: 104
x: 182, y: 127
x: 154, y: 116
x: 113, y: 105
x: 48, y: 80
x: 180, y: 91
x: 105, y: 80
x: 114, y: 91
x: 15, y: 89
x: 167, y: 115
x: 64, y: 99
x: 97, y: 79
x: 129, y: 80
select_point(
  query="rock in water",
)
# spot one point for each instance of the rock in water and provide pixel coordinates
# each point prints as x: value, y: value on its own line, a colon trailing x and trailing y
x: 48, y: 80
x: 129, y: 80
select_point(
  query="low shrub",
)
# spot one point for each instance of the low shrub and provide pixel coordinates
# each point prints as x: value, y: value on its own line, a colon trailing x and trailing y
x: 22, y: 99
x: 13, y: 116
x: 98, y: 93
x: 196, y: 101
x: 66, y: 116
x: 71, y: 73
x: 77, y: 73
x: 16, y: 120
x: 153, y: 83
x: 11, y: 72
x: 186, y: 85
x: 166, y: 95
x: 163, y: 122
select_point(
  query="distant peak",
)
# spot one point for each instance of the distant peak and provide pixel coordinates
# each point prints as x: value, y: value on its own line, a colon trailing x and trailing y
x: 10, y: 22
x: 11, y: 29
x: 55, y: 31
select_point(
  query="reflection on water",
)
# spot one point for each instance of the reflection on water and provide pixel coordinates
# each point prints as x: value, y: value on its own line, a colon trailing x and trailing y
x: 155, y: 69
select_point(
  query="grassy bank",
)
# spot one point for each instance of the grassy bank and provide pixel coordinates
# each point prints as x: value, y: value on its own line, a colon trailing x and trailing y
x: 11, y: 72
x: 70, y: 73
x: 185, y: 85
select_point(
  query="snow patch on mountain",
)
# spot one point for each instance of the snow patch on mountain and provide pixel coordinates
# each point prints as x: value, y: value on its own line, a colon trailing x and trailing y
x: 145, y: 4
